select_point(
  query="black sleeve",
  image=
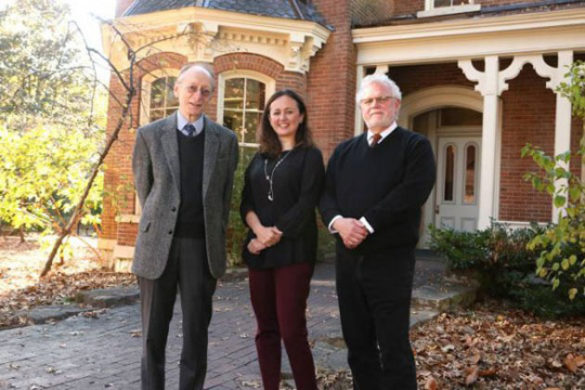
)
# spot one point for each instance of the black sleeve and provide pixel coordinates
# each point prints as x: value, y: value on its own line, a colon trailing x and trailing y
x: 247, y: 202
x: 328, y: 206
x: 412, y: 192
x: 292, y: 222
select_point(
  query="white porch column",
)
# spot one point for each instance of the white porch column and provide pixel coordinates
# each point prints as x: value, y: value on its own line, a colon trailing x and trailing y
x: 562, y: 119
x: 488, y: 85
x: 358, y: 122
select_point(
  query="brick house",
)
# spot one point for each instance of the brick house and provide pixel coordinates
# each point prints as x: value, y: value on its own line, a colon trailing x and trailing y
x: 478, y: 79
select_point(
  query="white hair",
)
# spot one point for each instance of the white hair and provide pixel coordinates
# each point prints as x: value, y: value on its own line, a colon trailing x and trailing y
x: 378, y: 78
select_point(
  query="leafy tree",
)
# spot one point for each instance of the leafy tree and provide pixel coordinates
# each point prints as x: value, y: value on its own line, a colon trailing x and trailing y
x: 51, y: 118
x: 43, y: 70
x: 562, y: 256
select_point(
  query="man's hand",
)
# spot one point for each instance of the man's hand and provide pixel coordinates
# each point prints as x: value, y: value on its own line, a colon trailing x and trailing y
x: 268, y: 235
x: 352, y: 231
x: 255, y: 246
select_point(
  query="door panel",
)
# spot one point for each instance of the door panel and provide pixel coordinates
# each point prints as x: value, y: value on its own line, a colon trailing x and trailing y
x: 458, y: 182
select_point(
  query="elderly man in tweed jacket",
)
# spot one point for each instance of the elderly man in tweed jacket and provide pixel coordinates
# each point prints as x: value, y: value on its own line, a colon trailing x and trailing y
x: 183, y: 169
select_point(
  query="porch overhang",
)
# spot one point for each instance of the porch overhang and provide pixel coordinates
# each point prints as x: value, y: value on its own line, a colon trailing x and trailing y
x: 453, y: 40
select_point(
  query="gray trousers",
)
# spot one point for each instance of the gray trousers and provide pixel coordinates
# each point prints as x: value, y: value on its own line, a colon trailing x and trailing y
x: 186, y: 269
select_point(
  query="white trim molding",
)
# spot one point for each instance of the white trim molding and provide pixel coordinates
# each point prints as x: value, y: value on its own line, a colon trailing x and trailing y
x: 204, y: 34
x: 437, y: 97
x: 452, y: 40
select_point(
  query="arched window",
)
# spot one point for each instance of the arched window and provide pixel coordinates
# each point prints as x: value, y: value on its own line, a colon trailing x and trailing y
x: 243, y: 103
x: 242, y: 95
x: 157, y: 99
x: 162, y: 99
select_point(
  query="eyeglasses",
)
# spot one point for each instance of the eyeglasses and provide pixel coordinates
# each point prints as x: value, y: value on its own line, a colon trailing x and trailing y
x: 203, y: 91
x: 375, y: 100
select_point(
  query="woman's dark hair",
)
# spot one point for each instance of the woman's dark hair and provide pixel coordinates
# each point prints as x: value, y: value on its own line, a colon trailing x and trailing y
x: 269, y: 142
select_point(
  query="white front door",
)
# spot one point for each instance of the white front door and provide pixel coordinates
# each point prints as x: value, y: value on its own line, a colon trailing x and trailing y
x: 458, y: 183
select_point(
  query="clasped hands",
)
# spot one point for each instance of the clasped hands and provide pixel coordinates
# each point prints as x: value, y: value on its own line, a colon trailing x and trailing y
x: 351, y: 231
x: 266, y: 236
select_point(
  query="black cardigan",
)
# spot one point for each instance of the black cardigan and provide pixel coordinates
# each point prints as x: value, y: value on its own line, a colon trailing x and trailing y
x: 387, y: 184
x: 297, y: 184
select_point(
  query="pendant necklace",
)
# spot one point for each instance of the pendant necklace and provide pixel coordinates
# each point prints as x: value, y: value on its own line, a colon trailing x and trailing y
x: 270, y: 177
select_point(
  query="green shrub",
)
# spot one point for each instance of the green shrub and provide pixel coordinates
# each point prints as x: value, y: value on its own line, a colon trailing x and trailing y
x: 497, y: 255
x: 504, y: 264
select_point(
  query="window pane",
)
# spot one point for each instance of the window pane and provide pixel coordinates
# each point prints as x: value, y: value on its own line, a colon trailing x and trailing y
x: 254, y: 94
x: 449, y: 173
x: 157, y: 93
x: 470, y: 157
x: 252, y: 122
x: 172, y: 101
x: 156, y: 114
x: 234, y: 94
x: 233, y: 120
x: 442, y: 3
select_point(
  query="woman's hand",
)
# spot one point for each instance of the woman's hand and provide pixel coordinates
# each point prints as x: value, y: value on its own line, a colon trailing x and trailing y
x: 267, y: 235
x: 255, y: 246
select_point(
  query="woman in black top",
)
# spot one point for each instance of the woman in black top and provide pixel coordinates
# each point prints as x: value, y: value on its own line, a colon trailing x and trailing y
x: 281, y: 189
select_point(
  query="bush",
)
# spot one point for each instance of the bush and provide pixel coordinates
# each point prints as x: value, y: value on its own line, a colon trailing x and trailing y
x: 505, y: 265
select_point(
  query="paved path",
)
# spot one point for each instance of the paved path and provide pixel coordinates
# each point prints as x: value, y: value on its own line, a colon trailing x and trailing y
x: 103, y: 352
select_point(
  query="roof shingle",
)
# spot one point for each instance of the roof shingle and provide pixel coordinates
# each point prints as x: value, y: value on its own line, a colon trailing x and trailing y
x: 275, y: 8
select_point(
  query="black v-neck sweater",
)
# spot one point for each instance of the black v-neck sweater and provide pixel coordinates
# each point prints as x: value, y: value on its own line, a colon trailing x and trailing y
x: 190, y: 222
x: 387, y: 184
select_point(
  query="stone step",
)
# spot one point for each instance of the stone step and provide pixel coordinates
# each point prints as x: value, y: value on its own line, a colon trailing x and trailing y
x: 108, y: 297
x: 444, y: 297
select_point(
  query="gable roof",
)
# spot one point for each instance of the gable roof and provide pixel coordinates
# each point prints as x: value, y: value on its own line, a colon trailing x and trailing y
x: 288, y: 9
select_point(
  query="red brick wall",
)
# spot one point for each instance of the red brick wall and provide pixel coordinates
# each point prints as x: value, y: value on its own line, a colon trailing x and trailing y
x: 405, y: 7
x: 414, y: 78
x: 528, y: 117
x: 245, y: 61
x: 331, y: 80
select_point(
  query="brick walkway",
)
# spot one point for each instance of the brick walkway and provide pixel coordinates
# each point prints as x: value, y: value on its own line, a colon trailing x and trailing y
x: 103, y: 352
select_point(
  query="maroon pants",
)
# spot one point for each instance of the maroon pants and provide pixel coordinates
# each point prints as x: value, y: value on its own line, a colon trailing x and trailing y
x: 279, y: 298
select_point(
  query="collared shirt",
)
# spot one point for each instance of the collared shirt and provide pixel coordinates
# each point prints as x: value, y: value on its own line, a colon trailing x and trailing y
x: 182, y: 122
x: 363, y: 220
x: 383, y: 134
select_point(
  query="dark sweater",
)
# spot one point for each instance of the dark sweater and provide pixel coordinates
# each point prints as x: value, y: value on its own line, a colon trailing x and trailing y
x: 190, y: 222
x: 387, y: 184
x: 297, y: 184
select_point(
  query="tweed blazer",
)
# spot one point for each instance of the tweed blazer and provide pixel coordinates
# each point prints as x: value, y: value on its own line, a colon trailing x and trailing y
x: 155, y: 165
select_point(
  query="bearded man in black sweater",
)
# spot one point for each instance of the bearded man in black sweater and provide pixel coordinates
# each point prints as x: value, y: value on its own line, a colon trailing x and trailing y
x: 375, y: 186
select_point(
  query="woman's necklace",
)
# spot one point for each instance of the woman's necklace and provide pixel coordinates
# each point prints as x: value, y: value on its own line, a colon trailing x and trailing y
x: 269, y: 178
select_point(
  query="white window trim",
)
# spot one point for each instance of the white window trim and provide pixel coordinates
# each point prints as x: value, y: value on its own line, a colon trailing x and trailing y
x: 430, y: 9
x: 145, y: 89
x: 268, y: 82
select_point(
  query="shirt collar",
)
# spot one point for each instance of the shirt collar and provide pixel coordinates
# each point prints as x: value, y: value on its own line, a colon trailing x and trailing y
x: 383, y: 134
x: 182, y: 122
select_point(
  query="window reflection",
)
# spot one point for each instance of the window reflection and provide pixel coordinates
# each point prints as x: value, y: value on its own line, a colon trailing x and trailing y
x: 162, y: 99
x: 470, y: 158
x: 243, y: 103
x: 449, y: 173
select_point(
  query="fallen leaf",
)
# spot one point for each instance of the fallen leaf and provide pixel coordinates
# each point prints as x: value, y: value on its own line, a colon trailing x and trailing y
x: 570, y: 363
x: 431, y: 384
x: 472, y: 374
